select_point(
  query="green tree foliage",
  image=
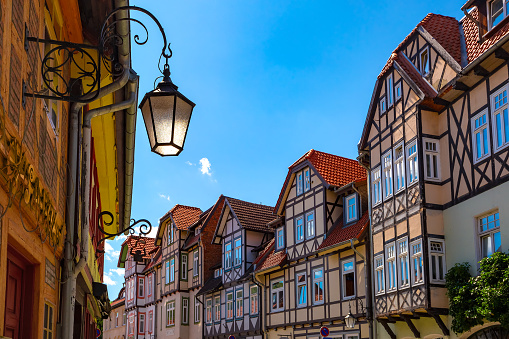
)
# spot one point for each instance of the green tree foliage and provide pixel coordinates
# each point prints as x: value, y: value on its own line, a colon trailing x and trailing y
x: 485, y: 297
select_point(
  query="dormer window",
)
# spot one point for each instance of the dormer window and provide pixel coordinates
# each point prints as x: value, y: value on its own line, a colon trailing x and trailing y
x: 351, y: 208
x: 228, y: 255
x: 424, y: 61
x: 299, y: 183
x: 280, y: 238
x: 498, y: 11
x: 307, y: 180
x: 170, y: 233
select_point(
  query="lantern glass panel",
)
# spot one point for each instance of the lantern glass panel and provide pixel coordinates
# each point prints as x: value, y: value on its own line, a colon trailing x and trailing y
x: 182, y: 118
x: 149, y: 124
x: 162, y: 111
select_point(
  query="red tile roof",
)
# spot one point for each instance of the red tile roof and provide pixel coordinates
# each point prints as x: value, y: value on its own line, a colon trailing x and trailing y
x: 265, y: 261
x: 251, y: 216
x: 416, y: 77
x: 335, y: 170
x: 185, y: 216
x: 444, y: 29
x: 191, y: 241
x: 155, y: 259
x: 117, y: 301
x: 340, y: 234
x: 145, y: 245
x: 474, y: 48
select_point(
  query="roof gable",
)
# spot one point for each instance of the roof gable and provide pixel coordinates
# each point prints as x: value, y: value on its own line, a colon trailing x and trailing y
x: 250, y: 216
x: 134, y: 243
x: 182, y: 216
x: 333, y: 170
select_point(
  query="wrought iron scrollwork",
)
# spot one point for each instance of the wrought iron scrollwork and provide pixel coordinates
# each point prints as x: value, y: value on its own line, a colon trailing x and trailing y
x: 87, y: 60
x: 106, y: 217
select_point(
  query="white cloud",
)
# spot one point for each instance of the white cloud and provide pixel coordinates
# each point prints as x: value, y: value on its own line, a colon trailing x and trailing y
x: 110, y: 251
x: 108, y: 279
x: 167, y: 197
x: 119, y: 271
x: 190, y: 163
x: 107, y: 257
x: 121, y: 238
x: 205, y: 166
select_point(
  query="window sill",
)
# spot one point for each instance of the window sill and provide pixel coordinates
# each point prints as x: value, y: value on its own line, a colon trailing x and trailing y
x: 276, y: 311
x: 413, y: 183
x: 349, y: 298
x: 254, y: 315
x: 486, y: 157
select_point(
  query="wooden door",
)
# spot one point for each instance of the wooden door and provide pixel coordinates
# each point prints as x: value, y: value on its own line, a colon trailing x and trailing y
x: 14, y: 300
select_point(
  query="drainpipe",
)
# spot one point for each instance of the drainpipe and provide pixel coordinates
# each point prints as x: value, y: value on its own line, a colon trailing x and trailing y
x: 261, y: 309
x: 69, y: 285
x: 370, y: 286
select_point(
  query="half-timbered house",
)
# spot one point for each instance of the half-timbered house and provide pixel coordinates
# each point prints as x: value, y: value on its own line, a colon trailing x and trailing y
x: 435, y: 144
x: 176, y: 275
x: 137, y: 256
x: 313, y: 273
x: 232, y: 297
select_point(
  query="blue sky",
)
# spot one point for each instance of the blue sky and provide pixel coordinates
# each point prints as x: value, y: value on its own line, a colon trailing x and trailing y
x: 271, y: 80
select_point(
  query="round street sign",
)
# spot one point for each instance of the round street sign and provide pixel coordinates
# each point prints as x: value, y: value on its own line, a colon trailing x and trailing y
x: 97, y: 332
x: 231, y: 337
x: 324, y: 331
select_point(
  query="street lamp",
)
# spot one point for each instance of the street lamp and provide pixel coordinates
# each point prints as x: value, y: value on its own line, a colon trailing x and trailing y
x: 350, y: 320
x: 166, y: 113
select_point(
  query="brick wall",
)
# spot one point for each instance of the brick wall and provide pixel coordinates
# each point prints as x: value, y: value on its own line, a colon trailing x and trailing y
x: 212, y: 253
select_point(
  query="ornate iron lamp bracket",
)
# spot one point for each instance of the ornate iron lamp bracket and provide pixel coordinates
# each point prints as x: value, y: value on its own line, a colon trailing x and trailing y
x: 87, y: 60
x: 144, y: 228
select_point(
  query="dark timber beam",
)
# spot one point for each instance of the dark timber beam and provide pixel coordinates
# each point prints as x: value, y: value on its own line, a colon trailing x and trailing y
x: 411, y: 325
x: 440, y: 101
x: 502, y: 54
x: 481, y: 71
x: 440, y: 323
x: 387, y: 328
x: 459, y: 86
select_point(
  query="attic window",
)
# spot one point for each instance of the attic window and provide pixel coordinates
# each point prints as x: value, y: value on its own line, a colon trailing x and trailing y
x: 424, y: 61
x: 498, y: 11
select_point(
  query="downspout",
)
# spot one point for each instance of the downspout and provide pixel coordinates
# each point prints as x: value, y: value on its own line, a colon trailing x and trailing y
x: 69, y: 285
x: 369, y: 281
x: 261, y: 308
x: 87, y: 136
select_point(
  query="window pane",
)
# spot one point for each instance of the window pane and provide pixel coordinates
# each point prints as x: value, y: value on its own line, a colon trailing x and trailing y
x: 349, y: 284
x: 496, y: 12
x: 280, y: 299
x: 302, y: 294
x: 348, y: 266
x: 485, y: 246
x: 497, y: 242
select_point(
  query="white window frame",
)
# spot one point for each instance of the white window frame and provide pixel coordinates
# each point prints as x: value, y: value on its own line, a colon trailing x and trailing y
x: 196, y: 311
x: 300, y: 183
x: 307, y: 179
x: 352, y: 213
x: 170, y: 234
x: 217, y: 308
x: 228, y: 255
x: 431, y: 149
x: 380, y: 274
x: 304, y: 286
x: 490, y: 12
x: 239, y: 303
x: 320, y: 281
x: 237, y: 251
x: 412, y: 163
x: 489, y: 232
x: 417, y: 262
x: 343, y: 277
x: 403, y: 263
x: 185, y: 311
x: 196, y: 263
x: 390, y: 91
x: 277, y: 292
x: 376, y: 184
x: 398, y: 91
x: 150, y: 322
x: 399, y: 167
x: 230, y: 305
x: 167, y: 281
x: 142, y: 323
x: 480, y: 125
x: 504, y: 120
x: 390, y: 263
x: 310, y: 225
x: 299, y: 236
x: 208, y: 311
x: 184, y: 258
x: 437, y: 258
x: 280, y: 238
x: 172, y: 269
x: 387, y: 177
x: 422, y: 69
x: 253, y: 299
x: 382, y: 106
x: 141, y: 287
x: 170, y: 313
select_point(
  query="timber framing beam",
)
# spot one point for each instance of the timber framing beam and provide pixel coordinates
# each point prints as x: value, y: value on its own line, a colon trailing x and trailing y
x: 502, y: 54
x: 440, y: 101
x: 459, y: 86
x: 481, y: 71
x: 440, y: 323
x: 387, y: 328
x: 411, y: 325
